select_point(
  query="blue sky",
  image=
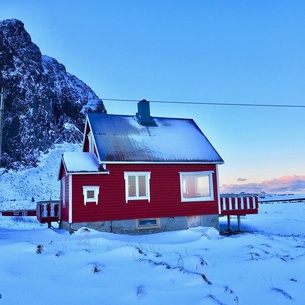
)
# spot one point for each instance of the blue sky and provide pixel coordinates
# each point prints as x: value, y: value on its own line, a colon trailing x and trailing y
x: 200, y: 51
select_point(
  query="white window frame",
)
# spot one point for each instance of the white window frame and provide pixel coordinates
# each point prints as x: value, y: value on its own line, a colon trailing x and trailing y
x: 208, y: 174
x: 147, y: 185
x: 95, y: 189
x: 148, y: 226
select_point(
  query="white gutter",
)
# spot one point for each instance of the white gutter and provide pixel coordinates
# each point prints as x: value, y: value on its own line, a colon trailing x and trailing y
x: 70, y: 199
x: 218, y: 190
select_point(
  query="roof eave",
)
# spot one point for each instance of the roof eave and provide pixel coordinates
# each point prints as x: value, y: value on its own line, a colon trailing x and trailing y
x: 162, y: 162
x: 85, y: 132
x: 88, y: 172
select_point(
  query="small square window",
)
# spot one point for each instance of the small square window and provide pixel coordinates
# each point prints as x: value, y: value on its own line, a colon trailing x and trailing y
x: 91, y: 194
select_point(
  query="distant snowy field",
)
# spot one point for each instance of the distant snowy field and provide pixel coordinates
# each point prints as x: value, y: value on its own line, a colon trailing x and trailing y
x: 265, y: 264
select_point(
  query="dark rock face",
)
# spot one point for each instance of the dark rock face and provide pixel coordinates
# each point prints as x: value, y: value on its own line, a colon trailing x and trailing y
x: 43, y: 105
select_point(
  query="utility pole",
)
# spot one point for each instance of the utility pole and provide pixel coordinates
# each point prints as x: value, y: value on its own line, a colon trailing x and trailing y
x: 1, y: 119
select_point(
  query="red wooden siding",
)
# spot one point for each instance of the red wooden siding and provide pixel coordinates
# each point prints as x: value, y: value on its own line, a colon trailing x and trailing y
x: 62, y: 171
x: 86, y: 141
x: 19, y: 213
x: 165, y: 198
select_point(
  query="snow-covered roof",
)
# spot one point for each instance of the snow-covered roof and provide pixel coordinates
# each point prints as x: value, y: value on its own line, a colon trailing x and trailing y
x: 121, y: 138
x: 17, y: 205
x: 80, y: 162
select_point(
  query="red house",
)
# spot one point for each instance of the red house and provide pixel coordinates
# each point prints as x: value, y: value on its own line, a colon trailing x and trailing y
x: 139, y: 174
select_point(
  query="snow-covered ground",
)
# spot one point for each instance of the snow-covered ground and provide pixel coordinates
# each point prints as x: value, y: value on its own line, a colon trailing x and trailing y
x: 265, y: 264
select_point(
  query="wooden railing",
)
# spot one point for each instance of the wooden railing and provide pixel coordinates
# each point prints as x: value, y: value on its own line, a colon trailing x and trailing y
x: 48, y: 211
x: 238, y: 204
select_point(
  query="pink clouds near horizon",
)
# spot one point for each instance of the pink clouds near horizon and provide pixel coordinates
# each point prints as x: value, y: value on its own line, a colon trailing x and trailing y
x: 284, y: 184
x: 242, y: 179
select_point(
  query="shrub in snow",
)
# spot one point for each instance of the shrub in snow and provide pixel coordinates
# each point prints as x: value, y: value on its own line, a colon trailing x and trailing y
x: 97, y: 267
x: 141, y: 292
x: 39, y: 249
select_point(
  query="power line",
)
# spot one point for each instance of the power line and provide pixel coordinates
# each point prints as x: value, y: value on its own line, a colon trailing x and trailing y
x: 208, y: 103
x: 53, y: 97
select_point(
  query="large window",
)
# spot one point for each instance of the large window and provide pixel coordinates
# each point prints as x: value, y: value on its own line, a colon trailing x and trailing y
x: 91, y: 194
x: 196, y: 186
x: 137, y: 185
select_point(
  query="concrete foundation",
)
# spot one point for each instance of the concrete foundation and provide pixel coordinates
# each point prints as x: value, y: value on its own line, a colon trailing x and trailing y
x: 130, y: 226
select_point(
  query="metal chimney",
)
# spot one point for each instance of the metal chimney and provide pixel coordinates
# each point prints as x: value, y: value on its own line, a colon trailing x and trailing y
x: 143, y: 114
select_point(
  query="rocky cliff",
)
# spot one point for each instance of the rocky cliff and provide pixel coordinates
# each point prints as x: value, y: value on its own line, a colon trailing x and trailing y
x: 43, y: 103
